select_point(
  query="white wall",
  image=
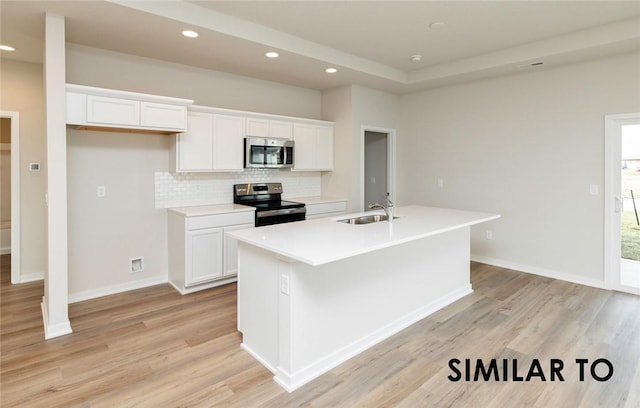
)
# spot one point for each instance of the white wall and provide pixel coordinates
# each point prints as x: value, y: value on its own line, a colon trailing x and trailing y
x: 22, y: 91
x: 351, y: 108
x: 101, y: 68
x: 337, y: 106
x: 105, y: 233
x: 526, y: 146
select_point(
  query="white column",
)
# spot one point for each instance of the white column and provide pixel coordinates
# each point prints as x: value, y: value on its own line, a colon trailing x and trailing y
x: 55, y: 300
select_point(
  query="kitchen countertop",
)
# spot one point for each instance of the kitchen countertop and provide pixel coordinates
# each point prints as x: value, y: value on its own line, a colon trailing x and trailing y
x: 317, y: 242
x: 210, y: 209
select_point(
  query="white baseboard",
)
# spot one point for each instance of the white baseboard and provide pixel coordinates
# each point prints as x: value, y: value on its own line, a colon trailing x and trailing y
x: 112, y: 290
x: 548, y: 273
x: 55, y: 330
x: 257, y: 357
x: 292, y: 381
x: 200, y: 287
x: 31, y: 277
x: 5, y: 251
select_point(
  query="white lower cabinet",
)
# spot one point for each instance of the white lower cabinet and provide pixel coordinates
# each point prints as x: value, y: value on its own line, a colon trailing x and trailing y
x: 326, y: 209
x: 230, y: 264
x: 204, y: 255
x: 200, y: 254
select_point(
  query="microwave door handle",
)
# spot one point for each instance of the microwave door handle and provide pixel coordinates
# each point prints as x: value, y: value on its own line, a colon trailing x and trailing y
x: 283, y: 155
x: 264, y: 156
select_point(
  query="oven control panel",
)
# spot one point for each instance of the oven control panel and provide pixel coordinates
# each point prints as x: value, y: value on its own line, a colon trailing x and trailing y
x: 257, y: 188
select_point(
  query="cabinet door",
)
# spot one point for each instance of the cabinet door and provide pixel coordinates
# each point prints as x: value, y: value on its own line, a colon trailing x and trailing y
x: 204, y: 255
x: 324, y: 148
x: 228, y: 142
x: 257, y: 127
x: 195, y: 146
x: 281, y: 130
x: 162, y: 115
x: 112, y: 111
x: 231, y: 250
x: 304, y: 137
x: 314, y: 147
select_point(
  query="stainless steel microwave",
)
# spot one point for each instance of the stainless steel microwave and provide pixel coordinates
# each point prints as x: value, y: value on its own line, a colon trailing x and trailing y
x: 268, y: 153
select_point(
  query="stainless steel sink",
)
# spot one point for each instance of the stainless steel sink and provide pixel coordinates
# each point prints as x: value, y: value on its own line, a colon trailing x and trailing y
x: 365, y: 219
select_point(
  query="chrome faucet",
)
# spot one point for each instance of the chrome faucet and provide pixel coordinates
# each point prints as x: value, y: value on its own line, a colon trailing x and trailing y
x: 388, y: 208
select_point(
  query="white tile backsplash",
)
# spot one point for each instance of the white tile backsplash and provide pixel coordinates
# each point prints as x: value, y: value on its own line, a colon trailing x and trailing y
x: 189, y: 189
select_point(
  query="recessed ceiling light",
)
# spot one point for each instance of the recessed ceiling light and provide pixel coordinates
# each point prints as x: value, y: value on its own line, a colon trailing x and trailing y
x: 272, y: 54
x: 190, y: 33
x: 6, y: 48
x: 330, y: 70
x: 437, y: 24
x: 416, y: 58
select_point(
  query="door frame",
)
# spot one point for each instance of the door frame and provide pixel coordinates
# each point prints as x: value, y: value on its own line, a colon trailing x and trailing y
x: 391, y: 161
x: 612, y: 199
x: 15, y: 195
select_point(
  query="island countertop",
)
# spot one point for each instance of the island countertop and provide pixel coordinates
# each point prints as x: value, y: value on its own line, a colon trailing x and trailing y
x: 317, y: 242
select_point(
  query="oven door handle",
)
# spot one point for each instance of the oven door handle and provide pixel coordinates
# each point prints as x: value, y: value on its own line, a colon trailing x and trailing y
x: 269, y: 213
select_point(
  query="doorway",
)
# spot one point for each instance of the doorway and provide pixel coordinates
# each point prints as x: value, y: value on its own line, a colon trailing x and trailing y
x: 10, y: 140
x: 378, y: 166
x: 622, y: 202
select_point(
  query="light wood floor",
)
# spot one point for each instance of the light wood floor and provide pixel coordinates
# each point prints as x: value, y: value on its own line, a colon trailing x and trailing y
x: 155, y: 348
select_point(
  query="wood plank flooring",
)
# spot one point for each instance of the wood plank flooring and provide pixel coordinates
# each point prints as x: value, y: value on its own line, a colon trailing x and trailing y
x: 155, y: 348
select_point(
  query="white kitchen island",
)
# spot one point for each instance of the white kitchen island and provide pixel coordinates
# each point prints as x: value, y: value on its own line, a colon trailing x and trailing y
x: 313, y: 294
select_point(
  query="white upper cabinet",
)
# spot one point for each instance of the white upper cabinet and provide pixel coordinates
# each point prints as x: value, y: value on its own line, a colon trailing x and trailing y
x: 313, y: 148
x: 228, y: 142
x: 162, y: 115
x: 213, y: 142
x: 195, y: 146
x: 112, y: 109
x: 262, y: 127
x: 280, y: 129
x: 257, y: 127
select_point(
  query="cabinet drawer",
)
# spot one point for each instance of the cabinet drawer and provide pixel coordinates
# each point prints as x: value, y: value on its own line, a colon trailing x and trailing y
x: 322, y: 208
x: 220, y: 220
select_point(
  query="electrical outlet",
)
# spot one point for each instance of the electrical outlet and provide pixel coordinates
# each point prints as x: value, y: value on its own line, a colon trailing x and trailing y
x: 136, y: 265
x: 101, y: 191
x: 440, y: 183
x: 488, y: 234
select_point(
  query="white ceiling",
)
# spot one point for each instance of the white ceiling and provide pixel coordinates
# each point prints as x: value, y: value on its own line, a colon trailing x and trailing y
x: 369, y: 42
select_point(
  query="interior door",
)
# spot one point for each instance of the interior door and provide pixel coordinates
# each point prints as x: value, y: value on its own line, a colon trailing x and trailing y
x: 374, y: 186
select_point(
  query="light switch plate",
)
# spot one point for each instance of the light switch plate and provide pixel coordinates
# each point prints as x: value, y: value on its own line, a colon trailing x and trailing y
x: 284, y: 284
x: 594, y: 189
